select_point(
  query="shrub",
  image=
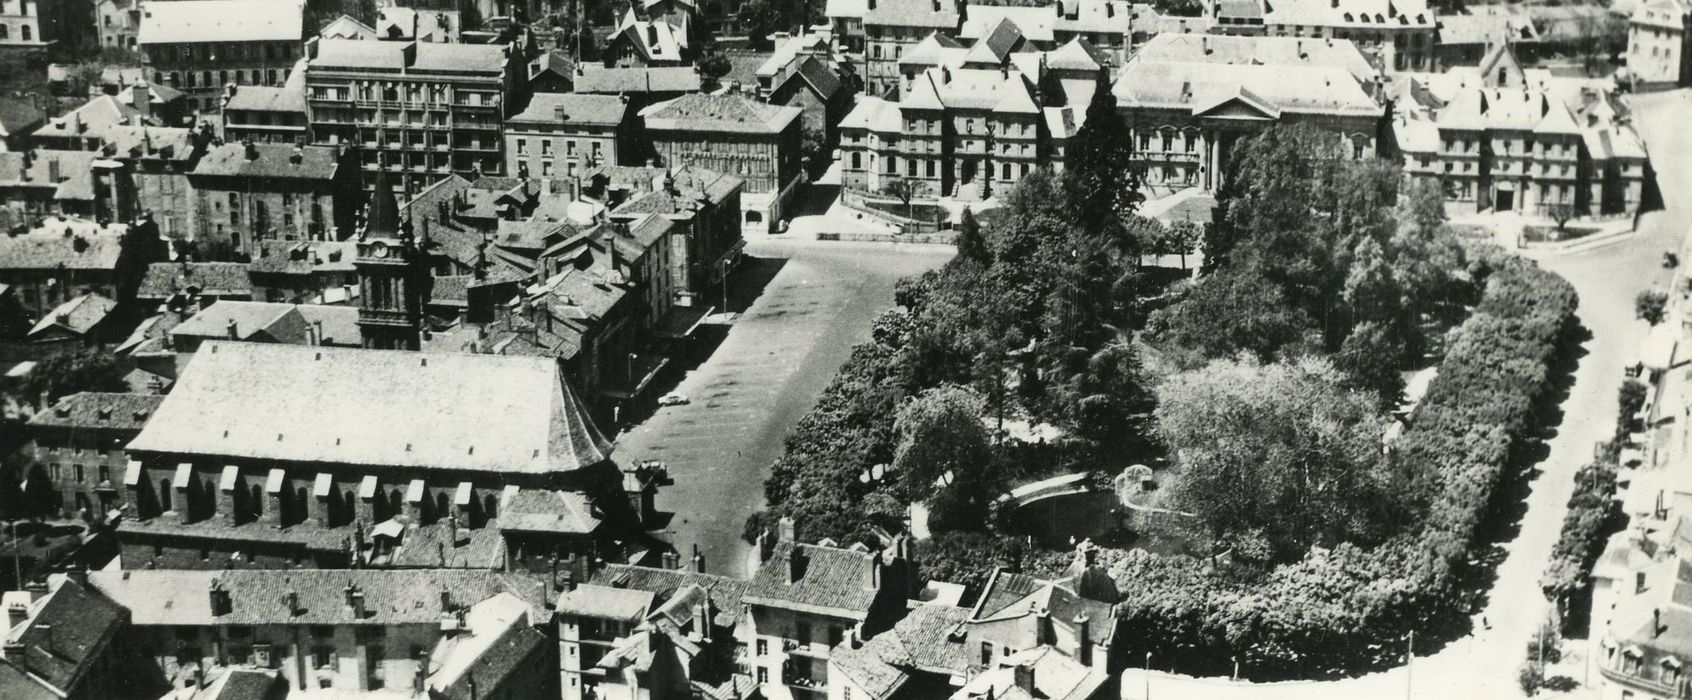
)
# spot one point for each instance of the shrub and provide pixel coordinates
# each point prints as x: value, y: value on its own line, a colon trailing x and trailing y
x: 1584, y: 531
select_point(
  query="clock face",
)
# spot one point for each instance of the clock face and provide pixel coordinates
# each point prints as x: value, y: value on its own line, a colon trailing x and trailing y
x: 378, y: 250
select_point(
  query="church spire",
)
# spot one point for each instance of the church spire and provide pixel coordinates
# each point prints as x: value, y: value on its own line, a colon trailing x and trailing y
x: 382, y: 218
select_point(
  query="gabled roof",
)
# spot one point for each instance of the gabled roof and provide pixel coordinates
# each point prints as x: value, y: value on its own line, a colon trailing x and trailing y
x: 554, y: 108
x: 1056, y: 677
x: 830, y: 580
x: 214, y: 21
x: 18, y: 116
x: 1189, y: 85
x: 77, y: 316
x: 91, y: 119
x: 353, y: 406
x: 269, y: 160
x: 486, y: 59
x: 1258, y: 50
x: 721, y: 113
x: 99, y: 409
x: 75, y: 244
x: 726, y: 593
x: 813, y: 72
x: 607, y: 602
x: 259, y: 98
x: 563, y: 512
x: 933, y: 14
x: 65, y: 634
x: 936, y: 49
x: 982, y: 21
x: 345, y: 27
x: 614, y: 81
x: 162, y: 597
x: 500, y: 641
x: 658, y: 40
x: 37, y: 168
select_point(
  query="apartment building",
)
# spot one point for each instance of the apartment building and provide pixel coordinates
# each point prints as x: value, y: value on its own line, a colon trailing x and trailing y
x: 420, y: 111
x: 199, y: 46
x: 76, y: 447
x: 566, y: 134
x: 1659, y: 42
x: 1398, y: 34
x: 248, y: 193
x: 754, y: 141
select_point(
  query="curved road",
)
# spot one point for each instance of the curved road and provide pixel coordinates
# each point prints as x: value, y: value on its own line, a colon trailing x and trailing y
x: 1484, y: 664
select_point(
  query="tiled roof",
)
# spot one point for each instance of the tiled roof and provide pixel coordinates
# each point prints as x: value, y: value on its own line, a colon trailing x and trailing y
x: 305, y: 257
x: 244, y: 684
x: 555, y: 108
x: 726, y: 593
x: 402, y: 409
x: 96, y: 409
x: 721, y: 113
x: 64, y: 635
x: 616, y: 81
x: 973, y: 88
x: 566, y: 512
x: 269, y: 160
x: 875, y: 114
x: 830, y: 580
x: 78, y: 316
x: 1056, y: 677
x: 257, y: 596
x: 692, y: 183
x: 1349, y: 14
x: 818, y: 75
x: 221, y: 279
x: 74, y: 244
x: 1095, y: 16
x: 1005, y: 601
x: 211, y: 21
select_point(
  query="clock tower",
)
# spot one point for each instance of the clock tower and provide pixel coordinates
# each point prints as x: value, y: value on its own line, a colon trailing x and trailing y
x: 393, y: 276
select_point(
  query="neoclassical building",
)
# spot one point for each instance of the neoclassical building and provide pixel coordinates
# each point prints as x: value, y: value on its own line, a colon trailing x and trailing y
x: 1188, y: 110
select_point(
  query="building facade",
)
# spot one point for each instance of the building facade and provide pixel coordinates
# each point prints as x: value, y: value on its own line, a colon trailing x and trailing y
x: 77, y: 447
x: 1659, y: 43
x: 119, y: 23
x: 756, y: 142
x: 146, y: 169
x: 565, y: 134
x: 421, y: 111
x: 248, y: 193
x: 37, y: 24
x: 1399, y: 34
x: 199, y: 46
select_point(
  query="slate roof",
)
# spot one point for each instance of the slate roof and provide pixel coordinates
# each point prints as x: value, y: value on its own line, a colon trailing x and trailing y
x: 566, y: 512
x: 814, y: 72
x: 90, y: 120
x: 691, y: 182
x: 726, y: 593
x: 345, y: 27
x: 211, y: 21
x: 273, y: 160
x: 1035, y: 23
x: 353, y: 406
x: 831, y: 581
x: 84, y: 410
x: 913, y: 13
x: 1200, y: 87
x: 616, y: 81
x: 260, y: 98
x: 923, y: 641
x: 391, y: 596
x: 392, y: 55
x: 559, y: 108
x: 64, y: 635
x: 305, y: 257
x: 1349, y: 14
x: 720, y: 113
x: 75, y: 170
x: 607, y: 602
x: 78, y: 316
x: 1011, y: 597
x: 273, y: 322
x: 500, y: 639
x: 1258, y: 50
x: 19, y: 116
x: 165, y: 279
x: 150, y: 142
x: 246, y: 684
x: 1056, y: 677
x: 875, y: 114
x: 49, y: 247
x: 973, y: 88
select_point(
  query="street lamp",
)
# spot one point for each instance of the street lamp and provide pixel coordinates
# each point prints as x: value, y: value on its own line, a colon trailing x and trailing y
x: 1147, y: 674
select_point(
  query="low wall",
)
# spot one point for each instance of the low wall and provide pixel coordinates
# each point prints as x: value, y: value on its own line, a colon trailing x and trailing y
x: 939, y: 238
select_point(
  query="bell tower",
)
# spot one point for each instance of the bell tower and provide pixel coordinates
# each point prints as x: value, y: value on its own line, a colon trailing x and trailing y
x: 393, y: 275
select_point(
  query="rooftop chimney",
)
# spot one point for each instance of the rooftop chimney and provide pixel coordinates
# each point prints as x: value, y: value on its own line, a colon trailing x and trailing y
x: 234, y: 330
x: 14, y: 652
x: 251, y: 149
x: 291, y: 601
x: 672, y: 560
x: 784, y: 529
x: 1025, y: 678
x: 16, y: 613
x: 795, y: 564
x: 1083, y: 639
x: 698, y: 561
x: 354, y: 600
x: 218, y: 598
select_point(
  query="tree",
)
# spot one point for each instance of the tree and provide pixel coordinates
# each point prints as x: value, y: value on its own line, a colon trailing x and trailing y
x: 1282, y: 451
x: 1225, y: 314
x: 971, y: 245
x: 813, y: 146
x: 68, y: 373
x: 1371, y: 358
x: 940, y: 433
x: 1651, y: 306
x: 715, y: 66
x: 1561, y: 213
x: 905, y: 190
x: 759, y: 18
x: 1099, y: 182
x: 1630, y: 399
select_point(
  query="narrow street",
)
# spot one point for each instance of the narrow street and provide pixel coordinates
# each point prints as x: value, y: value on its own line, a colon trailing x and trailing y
x: 1484, y: 664
x: 766, y: 374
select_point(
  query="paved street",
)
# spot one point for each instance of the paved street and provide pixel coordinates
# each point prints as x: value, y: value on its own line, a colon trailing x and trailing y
x: 766, y: 374
x: 1484, y: 664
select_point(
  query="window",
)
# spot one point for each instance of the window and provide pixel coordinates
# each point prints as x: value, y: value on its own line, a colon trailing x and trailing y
x: 763, y: 676
x: 986, y: 653
x: 53, y: 472
x: 546, y: 147
x: 522, y: 146
x: 105, y: 473
x: 763, y: 647
x: 77, y: 470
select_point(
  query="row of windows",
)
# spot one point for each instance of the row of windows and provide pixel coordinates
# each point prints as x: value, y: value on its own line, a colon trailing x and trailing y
x: 546, y: 146
x: 25, y: 32
x: 79, y: 474
x: 275, y: 51
x: 206, y: 78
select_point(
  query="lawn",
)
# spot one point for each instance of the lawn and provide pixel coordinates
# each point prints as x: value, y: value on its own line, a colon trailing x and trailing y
x: 1551, y: 234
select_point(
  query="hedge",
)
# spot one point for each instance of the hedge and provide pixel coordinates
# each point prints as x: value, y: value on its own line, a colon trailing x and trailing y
x: 1347, y: 608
